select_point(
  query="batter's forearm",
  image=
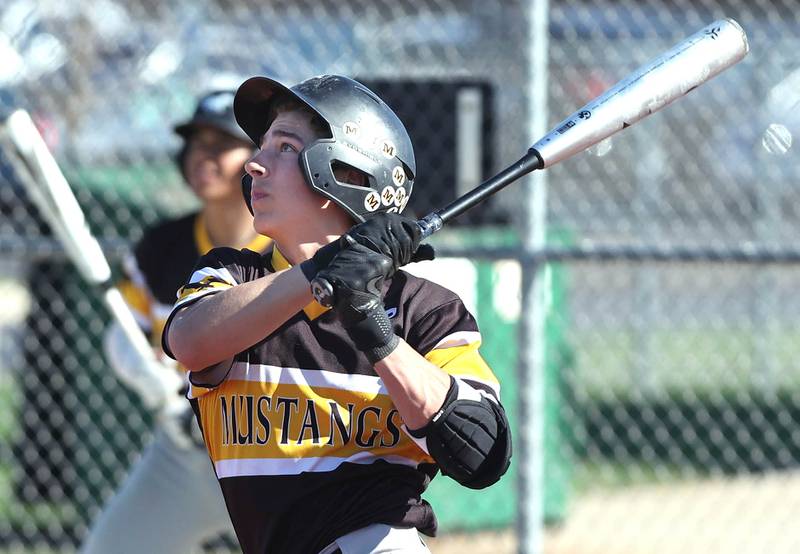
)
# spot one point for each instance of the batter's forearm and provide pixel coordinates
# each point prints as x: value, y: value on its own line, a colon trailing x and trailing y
x: 219, y: 327
x: 417, y: 387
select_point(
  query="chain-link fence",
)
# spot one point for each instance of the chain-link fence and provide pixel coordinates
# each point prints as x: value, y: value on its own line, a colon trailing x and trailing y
x: 671, y: 337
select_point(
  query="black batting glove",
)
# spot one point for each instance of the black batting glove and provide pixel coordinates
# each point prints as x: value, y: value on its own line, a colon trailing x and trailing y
x: 321, y: 259
x: 395, y: 236
x: 357, y: 274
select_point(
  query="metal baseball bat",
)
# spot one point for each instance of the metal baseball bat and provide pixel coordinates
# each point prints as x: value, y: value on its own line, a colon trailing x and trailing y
x: 52, y: 194
x: 664, y: 79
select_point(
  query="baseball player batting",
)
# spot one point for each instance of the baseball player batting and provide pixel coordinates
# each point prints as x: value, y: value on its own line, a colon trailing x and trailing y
x: 325, y: 426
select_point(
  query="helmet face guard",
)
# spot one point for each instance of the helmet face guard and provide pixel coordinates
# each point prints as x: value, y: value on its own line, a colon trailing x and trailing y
x: 365, y: 134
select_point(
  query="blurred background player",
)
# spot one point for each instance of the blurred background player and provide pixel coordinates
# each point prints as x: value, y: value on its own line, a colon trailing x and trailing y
x: 171, y: 501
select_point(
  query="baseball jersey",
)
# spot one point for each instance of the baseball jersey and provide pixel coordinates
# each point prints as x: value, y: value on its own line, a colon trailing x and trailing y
x: 305, y: 440
x: 161, y: 263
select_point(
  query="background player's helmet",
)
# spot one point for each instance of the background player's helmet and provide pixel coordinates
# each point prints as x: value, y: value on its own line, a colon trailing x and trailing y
x: 214, y: 110
x: 365, y: 134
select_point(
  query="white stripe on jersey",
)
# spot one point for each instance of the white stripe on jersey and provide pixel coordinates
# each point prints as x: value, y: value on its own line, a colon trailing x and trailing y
x: 468, y: 392
x: 459, y: 338
x: 260, y: 373
x: 463, y: 382
x: 200, y: 274
x: 422, y: 443
x: 293, y: 466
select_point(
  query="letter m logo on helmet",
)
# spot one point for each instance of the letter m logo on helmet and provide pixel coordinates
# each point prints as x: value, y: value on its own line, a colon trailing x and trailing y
x: 364, y: 134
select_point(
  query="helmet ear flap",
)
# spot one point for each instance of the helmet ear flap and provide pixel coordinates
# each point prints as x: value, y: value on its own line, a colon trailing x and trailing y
x: 247, y: 189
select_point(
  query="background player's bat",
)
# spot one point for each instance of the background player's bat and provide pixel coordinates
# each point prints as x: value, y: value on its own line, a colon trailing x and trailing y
x: 52, y: 195
x: 666, y: 78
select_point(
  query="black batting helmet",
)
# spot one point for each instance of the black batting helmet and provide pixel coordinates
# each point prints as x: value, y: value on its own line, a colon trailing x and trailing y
x: 215, y: 110
x: 365, y: 134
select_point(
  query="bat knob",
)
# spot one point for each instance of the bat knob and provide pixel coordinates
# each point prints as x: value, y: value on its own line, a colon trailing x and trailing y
x: 430, y: 224
x: 322, y: 291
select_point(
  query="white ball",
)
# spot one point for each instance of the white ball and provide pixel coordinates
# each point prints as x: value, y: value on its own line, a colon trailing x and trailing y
x: 777, y: 139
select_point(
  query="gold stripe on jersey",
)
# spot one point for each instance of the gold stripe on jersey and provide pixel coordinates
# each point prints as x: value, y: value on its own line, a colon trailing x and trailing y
x: 464, y: 361
x: 201, y: 238
x: 204, y: 285
x: 279, y: 261
x: 267, y: 421
x: 259, y: 244
x: 157, y: 331
x: 204, y: 244
x: 138, y: 301
x: 195, y: 391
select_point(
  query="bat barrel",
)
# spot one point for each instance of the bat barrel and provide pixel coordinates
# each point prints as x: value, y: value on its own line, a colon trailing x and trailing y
x: 664, y: 79
x: 654, y: 85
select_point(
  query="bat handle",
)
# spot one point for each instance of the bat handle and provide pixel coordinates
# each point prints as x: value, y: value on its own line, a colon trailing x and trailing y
x: 430, y: 224
x: 323, y: 290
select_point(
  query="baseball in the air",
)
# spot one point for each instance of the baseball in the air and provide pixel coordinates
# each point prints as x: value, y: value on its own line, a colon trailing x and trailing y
x: 777, y: 139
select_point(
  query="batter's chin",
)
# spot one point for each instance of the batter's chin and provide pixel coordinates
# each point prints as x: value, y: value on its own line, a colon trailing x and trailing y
x: 262, y: 225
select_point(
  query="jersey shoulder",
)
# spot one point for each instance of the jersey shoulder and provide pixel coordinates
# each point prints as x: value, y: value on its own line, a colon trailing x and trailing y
x: 429, y: 312
x: 423, y: 293
x: 242, y: 265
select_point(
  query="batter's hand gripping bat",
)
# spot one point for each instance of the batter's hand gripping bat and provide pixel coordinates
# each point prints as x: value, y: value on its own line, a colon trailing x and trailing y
x: 664, y: 79
x: 52, y: 195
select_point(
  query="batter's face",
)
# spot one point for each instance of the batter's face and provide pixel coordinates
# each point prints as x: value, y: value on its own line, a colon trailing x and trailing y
x: 283, y: 204
x: 213, y: 164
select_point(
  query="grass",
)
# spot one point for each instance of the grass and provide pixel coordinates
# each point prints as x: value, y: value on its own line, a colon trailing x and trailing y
x: 698, y: 362
x: 591, y: 476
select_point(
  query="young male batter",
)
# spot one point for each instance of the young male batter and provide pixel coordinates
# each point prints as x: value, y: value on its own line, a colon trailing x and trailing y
x: 325, y: 426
